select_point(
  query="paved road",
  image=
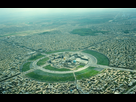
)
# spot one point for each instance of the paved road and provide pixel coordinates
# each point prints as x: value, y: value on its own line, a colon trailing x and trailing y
x: 108, y: 67
x: 75, y: 77
x: 61, y: 72
x: 35, y: 62
x: 31, y: 70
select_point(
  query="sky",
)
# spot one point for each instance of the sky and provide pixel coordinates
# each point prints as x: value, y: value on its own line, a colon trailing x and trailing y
x: 44, y: 9
x: 6, y: 13
x: 47, y: 10
x: 52, y: 10
x: 16, y: 12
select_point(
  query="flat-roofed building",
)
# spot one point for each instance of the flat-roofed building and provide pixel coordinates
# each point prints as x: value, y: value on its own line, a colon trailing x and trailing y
x: 81, y: 61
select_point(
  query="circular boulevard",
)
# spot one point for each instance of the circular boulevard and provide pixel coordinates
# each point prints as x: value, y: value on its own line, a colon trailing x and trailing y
x: 60, y: 66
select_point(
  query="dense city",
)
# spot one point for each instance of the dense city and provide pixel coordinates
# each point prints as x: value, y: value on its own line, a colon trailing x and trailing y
x: 117, y: 44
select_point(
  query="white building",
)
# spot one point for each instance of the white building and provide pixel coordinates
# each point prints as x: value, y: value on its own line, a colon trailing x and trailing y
x: 81, y: 61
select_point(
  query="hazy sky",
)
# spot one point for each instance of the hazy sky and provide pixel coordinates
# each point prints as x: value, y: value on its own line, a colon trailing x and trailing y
x: 27, y: 12
x: 47, y: 10
x: 8, y: 10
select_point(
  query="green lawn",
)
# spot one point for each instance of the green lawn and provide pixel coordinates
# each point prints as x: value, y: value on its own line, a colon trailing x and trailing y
x: 126, y: 31
x: 92, y: 20
x: 49, y: 77
x: 49, y: 67
x: 101, y: 59
x: 35, y: 57
x: 42, y: 61
x: 80, y: 66
x: 26, y: 67
x: 86, y: 31
x: 86, y: 73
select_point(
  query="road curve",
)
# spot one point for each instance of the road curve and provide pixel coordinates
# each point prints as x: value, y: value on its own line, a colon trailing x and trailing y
x: 92, y: 61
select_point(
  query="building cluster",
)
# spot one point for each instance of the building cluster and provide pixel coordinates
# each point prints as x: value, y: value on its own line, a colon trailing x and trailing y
x: 68, y: 60
x: 54, y: 42
x: 20, y: 85
x: 120, y: 51
x: 11, y: 58
x: 110, y: 81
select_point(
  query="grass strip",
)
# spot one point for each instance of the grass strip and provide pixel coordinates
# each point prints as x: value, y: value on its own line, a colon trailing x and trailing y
x: 42, y: 61
x: 101, y: 59
x: 50, y: 77
x: 80, y: 66
x: 86, y: 31
x: 26, y: 67
x: 35, y: 57
x: 86, y: 73
x: 49, y: 67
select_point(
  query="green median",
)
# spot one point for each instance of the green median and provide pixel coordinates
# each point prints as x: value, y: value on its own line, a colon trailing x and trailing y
x: 42, y: 61
x: 80, y: 66
x: 49, y: 67
x: 26, y: 67
x: 86, y: 73
x: 101, y: 59
x: 35, y: 57
x: 50, y: 77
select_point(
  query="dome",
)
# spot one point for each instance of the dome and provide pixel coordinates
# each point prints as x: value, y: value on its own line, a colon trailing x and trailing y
x: 74, y: 61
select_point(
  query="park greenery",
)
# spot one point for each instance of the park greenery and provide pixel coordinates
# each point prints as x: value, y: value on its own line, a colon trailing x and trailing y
x: 87, y: 31
x: 80, y: 66
x: 91, y: 20
x: 49, y: 67
x: 42, y: 61
x: 53, y: 77
x: 26, y: 67
x: 101, y: 59
x: 86, y: 73
x: 126, y: 31
x: 50, y: 77
x: 35, y: 57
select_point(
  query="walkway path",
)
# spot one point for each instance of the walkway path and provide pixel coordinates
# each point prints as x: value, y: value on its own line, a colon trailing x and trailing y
x: 31, y: 70
x: 74, y: 76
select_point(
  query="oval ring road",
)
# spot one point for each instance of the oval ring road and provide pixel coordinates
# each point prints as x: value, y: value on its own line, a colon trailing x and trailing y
x: 92, y: 61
